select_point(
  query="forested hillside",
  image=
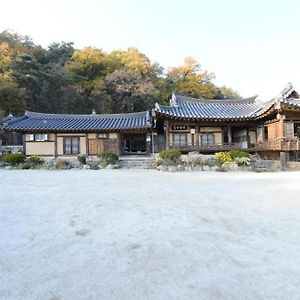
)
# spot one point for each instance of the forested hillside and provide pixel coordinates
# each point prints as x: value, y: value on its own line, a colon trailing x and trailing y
x: 62, y: 79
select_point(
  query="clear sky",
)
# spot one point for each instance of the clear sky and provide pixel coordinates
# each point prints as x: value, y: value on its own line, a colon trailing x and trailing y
x: 252, y: 46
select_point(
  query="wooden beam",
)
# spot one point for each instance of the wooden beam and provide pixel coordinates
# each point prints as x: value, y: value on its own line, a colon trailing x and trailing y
x: 167, y: 134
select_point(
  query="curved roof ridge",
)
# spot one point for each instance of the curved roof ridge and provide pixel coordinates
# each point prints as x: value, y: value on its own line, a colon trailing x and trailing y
x: 88, y: 116
x: 184, y: 99
x: 13, y: 120
x: 215, y: 109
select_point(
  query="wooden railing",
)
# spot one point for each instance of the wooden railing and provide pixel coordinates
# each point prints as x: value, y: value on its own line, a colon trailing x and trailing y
x: 205, y: 148
x: 275, y: 145
x: 279, y: 145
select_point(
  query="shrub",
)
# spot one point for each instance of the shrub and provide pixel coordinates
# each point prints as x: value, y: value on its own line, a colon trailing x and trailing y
x: 35, y: 160
x: 26, y: 165
x: 238, y: 153
x: 172, y: 154
x: 82, y: 159
x: 195, y: 159
x: 14, y: 159
x: 108, y: 158
x: 242, y: 161
x: 158, y: 161
x: 50, y: 164
x: 62, y: 164
x: 211, y: 162
x: 94, y: 165
x: 224, y: 158
x: 170, y: 157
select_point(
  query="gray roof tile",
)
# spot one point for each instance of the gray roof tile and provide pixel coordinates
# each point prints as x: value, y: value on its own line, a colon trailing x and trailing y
x: 231, y: 109
x: 33, y: 121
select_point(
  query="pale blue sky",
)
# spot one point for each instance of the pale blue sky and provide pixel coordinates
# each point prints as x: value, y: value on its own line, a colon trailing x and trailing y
x: 252, y: 46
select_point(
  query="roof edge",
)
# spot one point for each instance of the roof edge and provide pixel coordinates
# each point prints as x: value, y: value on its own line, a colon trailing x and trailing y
x: 182, y: 98
x: 91, y: 116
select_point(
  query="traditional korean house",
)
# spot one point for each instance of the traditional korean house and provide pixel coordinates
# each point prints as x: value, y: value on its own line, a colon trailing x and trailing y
x: 250, y: 125
x: 188, y: 124
x: 52, y: 135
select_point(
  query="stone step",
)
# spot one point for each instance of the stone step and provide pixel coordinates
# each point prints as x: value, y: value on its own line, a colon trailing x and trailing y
x: 137, y: 163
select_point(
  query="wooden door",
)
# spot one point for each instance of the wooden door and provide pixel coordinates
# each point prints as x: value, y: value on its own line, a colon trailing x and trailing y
x: 98, y: 146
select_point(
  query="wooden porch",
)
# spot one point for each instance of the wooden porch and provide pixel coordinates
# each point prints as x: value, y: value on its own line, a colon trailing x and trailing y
x: 270, y: 145
x: 280, y: 144
x: 206, y: 148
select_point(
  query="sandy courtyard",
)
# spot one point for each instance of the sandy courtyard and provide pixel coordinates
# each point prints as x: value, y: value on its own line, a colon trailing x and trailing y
x: 120, y: 234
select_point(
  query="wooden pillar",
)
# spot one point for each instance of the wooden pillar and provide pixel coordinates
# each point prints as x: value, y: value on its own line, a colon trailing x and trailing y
x: 283, y: 161
x: 55, y: 144
x: 167, y: 134
x: 248, y: 137
x: 24, y: 143
x: 197, y: 135
x: 281, y: 133
x: 229, y: 132
x: 121, y: 143
x: 87, y: 143
x: 148, y: 143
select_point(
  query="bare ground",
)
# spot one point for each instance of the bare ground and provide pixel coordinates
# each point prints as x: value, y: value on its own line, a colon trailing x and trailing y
x: 130, y: 234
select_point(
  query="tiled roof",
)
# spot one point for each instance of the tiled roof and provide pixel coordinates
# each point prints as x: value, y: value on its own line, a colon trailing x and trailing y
x: 33, y: 121
x: 291, y: 102
x: 231, y: 109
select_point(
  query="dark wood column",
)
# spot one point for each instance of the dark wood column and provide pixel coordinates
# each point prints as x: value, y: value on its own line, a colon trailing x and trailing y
x: 55, y: 144
x: 248, y: 137
x: 167, y: 134
x: 229, y: 134
x: 148, y: 142
x: 24, y: 143
x: 197, y: 135
x: 87, y: 144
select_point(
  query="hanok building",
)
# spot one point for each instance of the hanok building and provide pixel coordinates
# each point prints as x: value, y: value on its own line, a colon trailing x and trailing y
x: 60, y: 135
x: 187, y: 124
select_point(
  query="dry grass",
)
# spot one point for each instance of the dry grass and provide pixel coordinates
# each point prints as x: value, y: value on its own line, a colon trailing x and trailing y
x: 82, y: 232
x: 55, y: 297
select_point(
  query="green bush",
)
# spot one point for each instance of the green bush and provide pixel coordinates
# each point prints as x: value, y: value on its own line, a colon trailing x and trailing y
x: 94, y: 165
x: 82, y: 159
x: 14, y: 159
x: 35, y: 160
x: 26, y: 165
x: 224, y: 158
x: 172, y: 154
x: 170, y: 157
x: 242, y: 161
x: 108, y: 158
x: 238, y: 154
x: 62, y: 164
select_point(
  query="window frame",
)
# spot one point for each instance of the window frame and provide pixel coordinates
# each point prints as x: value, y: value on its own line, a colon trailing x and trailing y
x: 38, y: 137
x: 297, y: 130
x: 266, y: 133
x: 71, y: 145
x: 207, y: 134
x: 182, y: 142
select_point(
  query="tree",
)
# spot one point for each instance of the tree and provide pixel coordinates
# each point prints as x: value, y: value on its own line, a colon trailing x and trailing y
x: 138, y: 62
x: 189, y: 79
x: 5, y: 58
x: 224, y: 92
x: 60, y: 53
x: 88, y: 64
x: 12, y: 96
x: 130, y: 91
x: 18, y: 43
x: 29, y: 74
x: 99, y: 99
x: 63, y: 79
